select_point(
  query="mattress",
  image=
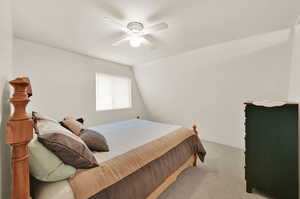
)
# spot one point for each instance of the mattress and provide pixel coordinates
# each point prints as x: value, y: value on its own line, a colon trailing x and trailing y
x: 122, y: 137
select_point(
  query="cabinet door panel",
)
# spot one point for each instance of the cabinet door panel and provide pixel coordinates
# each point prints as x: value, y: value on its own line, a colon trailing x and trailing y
x: 272, y: 149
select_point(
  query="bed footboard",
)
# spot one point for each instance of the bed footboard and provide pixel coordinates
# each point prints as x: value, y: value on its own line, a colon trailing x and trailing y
x: 171, y: 179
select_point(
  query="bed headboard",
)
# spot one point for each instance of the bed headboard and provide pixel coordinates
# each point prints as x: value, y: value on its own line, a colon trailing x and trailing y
x: 18, y: 134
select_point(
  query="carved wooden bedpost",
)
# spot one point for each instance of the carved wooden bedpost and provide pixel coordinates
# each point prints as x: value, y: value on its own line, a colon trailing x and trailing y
x: 195, y: 156
x: 18, y: 135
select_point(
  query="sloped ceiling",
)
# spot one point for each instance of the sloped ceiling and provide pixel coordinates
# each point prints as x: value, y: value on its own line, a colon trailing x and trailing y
x: 77, y: 25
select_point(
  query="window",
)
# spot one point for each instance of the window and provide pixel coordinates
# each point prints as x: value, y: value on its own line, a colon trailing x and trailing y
x: 112, y: 92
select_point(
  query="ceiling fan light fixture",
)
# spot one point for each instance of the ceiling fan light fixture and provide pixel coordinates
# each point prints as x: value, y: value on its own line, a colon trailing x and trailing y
x: 136, y: 32
x: 135, y: 41
x: 135, y: 27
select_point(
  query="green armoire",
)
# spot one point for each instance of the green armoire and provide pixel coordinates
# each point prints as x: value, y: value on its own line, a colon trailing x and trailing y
x: 271, y: 155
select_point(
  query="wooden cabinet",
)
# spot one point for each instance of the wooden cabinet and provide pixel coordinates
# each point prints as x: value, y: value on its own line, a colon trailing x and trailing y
x: 272, y: 150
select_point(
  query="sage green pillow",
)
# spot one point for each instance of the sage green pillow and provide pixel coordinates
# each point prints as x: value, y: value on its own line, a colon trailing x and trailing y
x: 45, y: 166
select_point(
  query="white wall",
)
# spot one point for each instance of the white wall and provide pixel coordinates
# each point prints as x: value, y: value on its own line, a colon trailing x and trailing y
x: 5, y: 72
x: 63, y: 83
x: 294, y: 90
x: 208, y: 86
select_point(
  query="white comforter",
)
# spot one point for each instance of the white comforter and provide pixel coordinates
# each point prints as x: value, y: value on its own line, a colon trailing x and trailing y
x: 121, y: 137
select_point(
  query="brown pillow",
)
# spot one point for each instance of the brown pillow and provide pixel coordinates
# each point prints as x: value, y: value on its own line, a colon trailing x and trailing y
x: 94, y: 140
x: 81, y: 120
x: 65, y: 145
x: 73, y: 125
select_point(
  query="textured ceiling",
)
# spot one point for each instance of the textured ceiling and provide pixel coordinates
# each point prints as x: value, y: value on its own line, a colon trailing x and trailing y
x: 78, y: 25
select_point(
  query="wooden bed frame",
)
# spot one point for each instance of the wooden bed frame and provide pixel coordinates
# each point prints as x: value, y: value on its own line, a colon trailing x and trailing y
x: 19, y: 131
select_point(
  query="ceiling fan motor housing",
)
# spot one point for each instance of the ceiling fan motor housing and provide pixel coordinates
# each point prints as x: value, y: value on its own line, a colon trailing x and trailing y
x: 135, y: 26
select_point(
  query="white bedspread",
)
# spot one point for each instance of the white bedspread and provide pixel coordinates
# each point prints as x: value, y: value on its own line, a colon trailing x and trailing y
x: 121, y: 137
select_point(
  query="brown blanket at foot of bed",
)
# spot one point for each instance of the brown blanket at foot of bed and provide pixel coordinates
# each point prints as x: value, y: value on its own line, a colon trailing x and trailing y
x: 144, y: 181
x: 87, y: 183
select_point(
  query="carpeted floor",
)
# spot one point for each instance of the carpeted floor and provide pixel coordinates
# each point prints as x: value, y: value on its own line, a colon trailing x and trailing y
x: 220, y: 177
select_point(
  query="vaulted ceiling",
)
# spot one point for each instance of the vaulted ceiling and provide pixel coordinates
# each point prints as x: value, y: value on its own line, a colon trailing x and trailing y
x: 78, y: 25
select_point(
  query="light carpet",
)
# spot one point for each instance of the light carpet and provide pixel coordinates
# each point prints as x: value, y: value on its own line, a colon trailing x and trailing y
x: 221, y: 176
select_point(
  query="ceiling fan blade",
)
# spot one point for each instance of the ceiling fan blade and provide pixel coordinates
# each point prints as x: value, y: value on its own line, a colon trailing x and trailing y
x: 155, y: 28
x: 114, y: 23
x: 121, y: 40
x: 148, y: 42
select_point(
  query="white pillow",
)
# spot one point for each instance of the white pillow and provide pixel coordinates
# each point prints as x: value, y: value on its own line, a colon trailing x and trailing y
x: 45, y: 165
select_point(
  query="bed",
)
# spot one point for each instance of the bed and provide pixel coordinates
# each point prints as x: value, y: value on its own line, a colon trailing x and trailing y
x: 145, y: 158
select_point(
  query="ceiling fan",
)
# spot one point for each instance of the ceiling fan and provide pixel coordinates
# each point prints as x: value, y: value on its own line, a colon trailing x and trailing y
x: 135, y: 32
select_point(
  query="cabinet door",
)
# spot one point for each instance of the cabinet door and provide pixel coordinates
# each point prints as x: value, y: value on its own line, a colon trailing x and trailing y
x: 272, y: 150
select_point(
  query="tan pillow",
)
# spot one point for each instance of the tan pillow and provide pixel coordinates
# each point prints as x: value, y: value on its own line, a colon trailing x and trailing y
x: 73, y: 125
x: 65, y: 145
x: 94, y: 140
x: 37, y: 116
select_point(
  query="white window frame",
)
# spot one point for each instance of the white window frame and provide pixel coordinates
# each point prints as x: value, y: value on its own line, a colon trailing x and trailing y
x: 98, y: 94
